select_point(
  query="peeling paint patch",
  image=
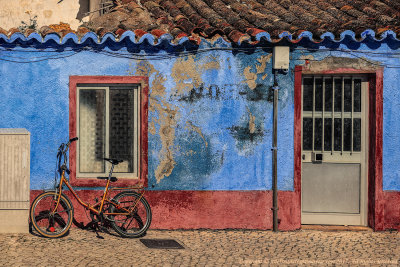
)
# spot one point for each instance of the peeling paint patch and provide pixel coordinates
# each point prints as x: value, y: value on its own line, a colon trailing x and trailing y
x: 332, y: 63
x: 152, y: 128
x: 305, y: 57
x: 252, y: 124
x: 167, y: 119
x: 190, y: 153
x: 187, y: 72
x: 189, y: 126
x: 251, y: 77
x: 263, y: 60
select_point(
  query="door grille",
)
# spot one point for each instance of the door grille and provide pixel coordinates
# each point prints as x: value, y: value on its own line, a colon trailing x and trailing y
x: 332, y: 114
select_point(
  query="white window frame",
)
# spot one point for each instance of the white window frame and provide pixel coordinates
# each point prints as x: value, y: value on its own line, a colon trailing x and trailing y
x: 136, y: 153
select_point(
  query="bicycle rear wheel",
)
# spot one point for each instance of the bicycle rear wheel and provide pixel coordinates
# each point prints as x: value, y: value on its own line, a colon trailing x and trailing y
x: 46, y: 222
x: 134, y: 224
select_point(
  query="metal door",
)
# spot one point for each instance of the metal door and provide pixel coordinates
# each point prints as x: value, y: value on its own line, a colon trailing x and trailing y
x: 334, y: 150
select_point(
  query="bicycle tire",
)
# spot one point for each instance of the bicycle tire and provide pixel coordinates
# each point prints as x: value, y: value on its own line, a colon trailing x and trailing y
x: 136, y: 224
x: 42, y: 220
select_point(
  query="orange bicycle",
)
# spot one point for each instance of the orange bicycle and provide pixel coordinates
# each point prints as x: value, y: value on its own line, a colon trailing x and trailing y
x: 128, y: 213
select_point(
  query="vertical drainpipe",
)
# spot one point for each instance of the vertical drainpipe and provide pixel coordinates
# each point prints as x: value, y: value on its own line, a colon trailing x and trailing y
x: 275, y: 89
x: 280, y: 63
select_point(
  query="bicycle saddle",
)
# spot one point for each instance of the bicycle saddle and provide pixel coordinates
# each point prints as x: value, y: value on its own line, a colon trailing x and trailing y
x: 112, y: 179
x: 113, y: 161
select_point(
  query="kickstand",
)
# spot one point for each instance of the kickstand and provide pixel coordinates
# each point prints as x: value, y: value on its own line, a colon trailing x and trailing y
x: 99, y: 236
x: 97, y: 229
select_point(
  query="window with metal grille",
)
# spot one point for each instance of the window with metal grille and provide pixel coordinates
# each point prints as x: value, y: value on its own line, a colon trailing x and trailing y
x: 94, y: 8
x: 105, y: 6
x: 108, y: 127
x: 332, y: 114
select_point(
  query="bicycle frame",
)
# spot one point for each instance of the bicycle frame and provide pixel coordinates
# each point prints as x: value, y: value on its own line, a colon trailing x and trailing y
x: 104, y: 199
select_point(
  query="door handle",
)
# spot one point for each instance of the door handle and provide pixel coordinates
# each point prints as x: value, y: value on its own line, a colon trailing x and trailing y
x: 316, y: 157
x: 303, y: 156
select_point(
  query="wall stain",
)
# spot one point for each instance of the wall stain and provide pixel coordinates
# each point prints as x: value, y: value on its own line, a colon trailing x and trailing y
x: 242, y: 133
x: 195, y: 161
x: 259, y: 93
x: 248, y: 132
x: 196, y: 93
x: 225, y: 92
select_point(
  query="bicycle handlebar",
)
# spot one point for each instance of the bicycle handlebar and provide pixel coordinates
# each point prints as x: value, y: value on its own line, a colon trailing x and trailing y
x: 64, y: 148
x: 69, y: 143
x: 73, y: 139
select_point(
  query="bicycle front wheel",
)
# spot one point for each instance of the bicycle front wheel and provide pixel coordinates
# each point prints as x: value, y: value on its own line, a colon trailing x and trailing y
x: 48, y: 218
x: 135, y: 222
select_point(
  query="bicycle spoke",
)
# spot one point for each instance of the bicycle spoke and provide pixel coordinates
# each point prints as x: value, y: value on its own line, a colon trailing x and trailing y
x: 126, y: 228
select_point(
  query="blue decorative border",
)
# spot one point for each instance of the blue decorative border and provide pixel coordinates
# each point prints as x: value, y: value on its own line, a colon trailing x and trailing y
x: 129, y: 38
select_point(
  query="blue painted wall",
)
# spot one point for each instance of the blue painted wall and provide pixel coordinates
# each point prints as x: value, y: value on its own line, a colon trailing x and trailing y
x: 210, y: 111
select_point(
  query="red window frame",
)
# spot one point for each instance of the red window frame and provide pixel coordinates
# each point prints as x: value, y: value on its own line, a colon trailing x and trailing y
x: 74, y: 81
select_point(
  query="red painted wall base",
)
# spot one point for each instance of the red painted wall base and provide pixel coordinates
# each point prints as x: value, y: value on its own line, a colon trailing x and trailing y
x: 208, y: 209
x: 226, y: 209
x: 392, y: 210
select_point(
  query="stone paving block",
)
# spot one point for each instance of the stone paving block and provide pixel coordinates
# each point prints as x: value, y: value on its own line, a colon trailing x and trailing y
x: 206, y: 248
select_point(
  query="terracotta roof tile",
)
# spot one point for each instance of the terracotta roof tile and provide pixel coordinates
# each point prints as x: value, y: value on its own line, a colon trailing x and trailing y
x: 3, y: 31
x: 81, y: 31
x: 12, y: 31
x: 238, y: 20
x: 28, y: 32
x: 46, y: 30
x: 120, y: 31
x: 388, y: 3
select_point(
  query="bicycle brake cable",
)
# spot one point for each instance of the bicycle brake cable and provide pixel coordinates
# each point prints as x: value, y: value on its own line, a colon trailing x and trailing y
x: 58, y: 162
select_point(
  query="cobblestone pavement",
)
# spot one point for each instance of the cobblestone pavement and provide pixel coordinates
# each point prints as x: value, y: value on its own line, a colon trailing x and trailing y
x: 205, y: 248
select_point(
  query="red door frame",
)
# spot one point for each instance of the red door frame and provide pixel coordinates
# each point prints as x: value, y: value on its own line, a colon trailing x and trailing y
x: 375, y: 117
